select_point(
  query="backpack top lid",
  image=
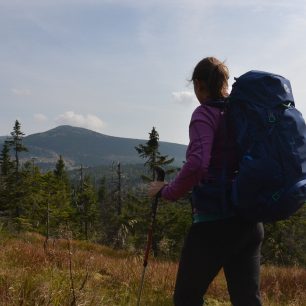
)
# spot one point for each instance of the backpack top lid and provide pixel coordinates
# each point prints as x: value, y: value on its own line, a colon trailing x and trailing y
x: 263, y: 89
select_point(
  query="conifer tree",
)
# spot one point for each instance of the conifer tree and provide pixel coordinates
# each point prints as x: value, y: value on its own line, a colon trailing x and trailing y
x: 5, y: 178
x: 109, y: 220
x: 150, y: 152
x: 30, y: 195
x: 102, y: 191
x: 59, y: 170
x: 119, y: 173
x: 61, y: 210
x: 15, y: 142
x: 87, y: 206
x: 5, y: 160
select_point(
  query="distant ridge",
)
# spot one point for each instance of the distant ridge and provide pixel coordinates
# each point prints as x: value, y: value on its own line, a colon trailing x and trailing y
x: 82, y: 146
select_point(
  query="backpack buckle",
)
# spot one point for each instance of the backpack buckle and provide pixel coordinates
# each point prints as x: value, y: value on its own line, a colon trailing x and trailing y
x: 287, y: 105
x: 272, y: 118
x: 276, y: 196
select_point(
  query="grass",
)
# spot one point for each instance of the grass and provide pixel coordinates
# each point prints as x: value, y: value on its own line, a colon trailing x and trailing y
x: 33, y: 275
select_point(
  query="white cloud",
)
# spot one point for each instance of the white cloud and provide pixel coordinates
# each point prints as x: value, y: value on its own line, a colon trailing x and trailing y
x: 40, y: 118
x: 184, y: 97
x: 22, y: 92
x: 88, y: 121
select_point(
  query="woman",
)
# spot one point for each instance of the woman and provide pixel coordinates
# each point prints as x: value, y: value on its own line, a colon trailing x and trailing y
x: 217, y: 239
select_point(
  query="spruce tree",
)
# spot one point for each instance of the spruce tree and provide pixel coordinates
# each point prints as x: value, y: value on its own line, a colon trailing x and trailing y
x: 102, y: 191
x: 15, y: 142
x: 59, y: 170
x: 87, y: 206
x: 5, y: 160
x: 150, y: 152
x: 60, y: 202
x: 30, y: 196
x: 6, y: 168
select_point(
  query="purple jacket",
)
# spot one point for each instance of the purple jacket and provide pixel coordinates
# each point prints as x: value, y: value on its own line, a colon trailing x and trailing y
x: 205, y: 153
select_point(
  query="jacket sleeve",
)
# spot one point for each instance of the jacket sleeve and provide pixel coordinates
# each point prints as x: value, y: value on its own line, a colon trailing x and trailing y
x: 201, y: 135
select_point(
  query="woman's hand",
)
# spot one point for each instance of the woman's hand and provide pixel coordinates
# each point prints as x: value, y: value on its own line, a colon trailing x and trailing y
x: 155, y: 187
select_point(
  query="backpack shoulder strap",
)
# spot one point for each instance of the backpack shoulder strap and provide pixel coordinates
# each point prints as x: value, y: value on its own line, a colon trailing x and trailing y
x: 222, y: 105
x: 218, y: 103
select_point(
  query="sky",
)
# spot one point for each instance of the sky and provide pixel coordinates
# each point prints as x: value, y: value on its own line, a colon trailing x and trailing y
x: 122, y: 67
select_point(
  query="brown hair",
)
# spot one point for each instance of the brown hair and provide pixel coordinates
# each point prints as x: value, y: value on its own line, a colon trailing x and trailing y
x: 213, y: 76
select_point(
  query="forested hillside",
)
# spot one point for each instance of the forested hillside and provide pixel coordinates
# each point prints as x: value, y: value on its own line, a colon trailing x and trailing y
x: 82, y: 146
x: 109, y: 204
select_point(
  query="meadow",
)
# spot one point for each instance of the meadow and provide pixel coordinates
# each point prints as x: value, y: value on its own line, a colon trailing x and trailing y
x: 69, y: 272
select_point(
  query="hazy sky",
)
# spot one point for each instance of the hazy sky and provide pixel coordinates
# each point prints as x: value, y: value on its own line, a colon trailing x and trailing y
x: 121, y: 67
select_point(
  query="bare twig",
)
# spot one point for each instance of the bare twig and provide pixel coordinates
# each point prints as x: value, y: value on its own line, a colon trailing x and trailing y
x: 85, y: 280
x: 72, y: 288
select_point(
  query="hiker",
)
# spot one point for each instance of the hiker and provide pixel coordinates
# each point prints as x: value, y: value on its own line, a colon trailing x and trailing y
x: 217, y: 238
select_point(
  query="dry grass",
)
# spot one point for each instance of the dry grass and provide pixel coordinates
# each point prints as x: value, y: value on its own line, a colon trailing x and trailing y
x: 32, y: 275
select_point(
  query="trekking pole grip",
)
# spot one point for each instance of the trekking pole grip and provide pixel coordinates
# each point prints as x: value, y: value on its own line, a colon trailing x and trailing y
x: 160, y: 173
x: 160, y: 177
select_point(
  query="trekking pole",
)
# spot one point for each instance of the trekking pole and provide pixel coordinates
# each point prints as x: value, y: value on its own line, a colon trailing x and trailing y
x: 160, y: 177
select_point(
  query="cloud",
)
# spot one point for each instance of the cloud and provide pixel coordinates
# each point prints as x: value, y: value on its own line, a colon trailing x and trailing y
x: 88, y: 121
x: 40, y: 118
x: 22, y: 92
x: 184, y: 97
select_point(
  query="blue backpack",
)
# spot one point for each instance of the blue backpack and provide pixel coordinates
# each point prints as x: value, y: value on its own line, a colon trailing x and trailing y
x: 271, y: 137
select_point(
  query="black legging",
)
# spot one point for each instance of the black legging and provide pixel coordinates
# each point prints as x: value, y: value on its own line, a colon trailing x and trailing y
x: 232, y: 244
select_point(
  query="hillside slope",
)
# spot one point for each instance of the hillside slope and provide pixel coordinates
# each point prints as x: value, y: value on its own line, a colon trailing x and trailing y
x: 34, y: 272
x: 83, y: 146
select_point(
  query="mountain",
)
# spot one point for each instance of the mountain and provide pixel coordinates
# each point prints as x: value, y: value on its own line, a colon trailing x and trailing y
x: 2, y: 139
x: 82, y: 146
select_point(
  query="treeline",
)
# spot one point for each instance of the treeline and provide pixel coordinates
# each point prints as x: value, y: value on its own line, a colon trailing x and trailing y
x: 113, y: 211
x: 106, y: 210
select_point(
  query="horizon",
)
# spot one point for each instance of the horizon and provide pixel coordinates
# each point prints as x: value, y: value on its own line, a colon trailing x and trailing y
x: 122, y: 67
x: 78, y: 127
